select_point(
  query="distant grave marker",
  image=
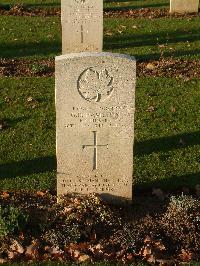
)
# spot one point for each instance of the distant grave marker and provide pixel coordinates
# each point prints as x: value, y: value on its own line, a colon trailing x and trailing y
x: 184, y: 6
x: 82, y: 25
x: 95, y: 101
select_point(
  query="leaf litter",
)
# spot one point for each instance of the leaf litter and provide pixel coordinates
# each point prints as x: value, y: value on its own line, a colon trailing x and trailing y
x: 165, y: 67
x: 87, y: 229
x: 23, y: 10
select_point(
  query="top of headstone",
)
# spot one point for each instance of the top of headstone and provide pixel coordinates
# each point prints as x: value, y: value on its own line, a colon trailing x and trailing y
x: 94, y: 54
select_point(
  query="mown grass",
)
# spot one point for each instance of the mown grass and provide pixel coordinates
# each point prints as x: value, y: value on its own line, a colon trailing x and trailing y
x: 110, y: 4
x: 39, y: 37
x: 167, y: 140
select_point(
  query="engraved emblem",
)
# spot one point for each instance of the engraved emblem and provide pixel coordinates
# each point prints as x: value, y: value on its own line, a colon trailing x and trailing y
x: 80, y: 1
x: 95, y: 86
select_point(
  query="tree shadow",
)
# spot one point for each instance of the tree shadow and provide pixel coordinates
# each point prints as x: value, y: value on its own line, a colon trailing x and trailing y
x: 151, y: 39
x: 43, y: 48
x: 147, y: 39
x: 121, y: 8
x: 25, y: 168
x: 167, y: 143
x: 173, y: 184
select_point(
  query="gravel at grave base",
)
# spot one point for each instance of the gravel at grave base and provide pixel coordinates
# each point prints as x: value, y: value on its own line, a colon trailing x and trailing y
x: 86, y: 228
x: 178, y: 68
x: 20, y: 10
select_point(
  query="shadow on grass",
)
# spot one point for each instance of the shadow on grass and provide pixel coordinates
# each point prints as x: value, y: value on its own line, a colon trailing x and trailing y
x: 167, y: 143
x: 43, y: 48
x: 48, y: 164
x: 174, y: 183
x: 25, y: 168
x: 154, y: 39
x: 120, y: 8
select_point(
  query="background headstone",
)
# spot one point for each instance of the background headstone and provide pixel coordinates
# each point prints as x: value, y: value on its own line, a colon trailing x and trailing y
x: 82, y: 25
x: 95, y: 95
x: 184, y: 6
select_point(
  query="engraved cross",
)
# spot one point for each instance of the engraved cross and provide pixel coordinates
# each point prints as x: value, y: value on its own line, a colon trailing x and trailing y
x: 95, y: 146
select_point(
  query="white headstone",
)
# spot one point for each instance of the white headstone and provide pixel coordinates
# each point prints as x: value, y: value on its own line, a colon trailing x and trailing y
x: 95, y: 101
x: 184, y: 6
x: 82, y: 26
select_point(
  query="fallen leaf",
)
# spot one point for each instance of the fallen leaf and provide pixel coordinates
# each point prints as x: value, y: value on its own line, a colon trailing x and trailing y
x: 186, y: 255
x: 32, y: 250
x: 41, y: 193
x: 159, y: 245
x: 5, y: 195
x: 147, y: 240
x: 83, y: 258
x: 151, y: 109
x: 145, y: 251
x: 2, y: 261
x: 16, y: 246
x: 29, y: 99
x: 150, y: 66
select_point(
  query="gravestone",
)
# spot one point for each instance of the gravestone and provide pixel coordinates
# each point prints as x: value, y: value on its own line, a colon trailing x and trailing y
x: 95, y: 95
x: 184, y: 6
x: 82, y: 25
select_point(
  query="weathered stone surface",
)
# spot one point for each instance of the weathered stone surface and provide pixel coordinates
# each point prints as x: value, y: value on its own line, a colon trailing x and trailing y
x: 82, y: 25
x: 95, y: 99
x: 184, y: 6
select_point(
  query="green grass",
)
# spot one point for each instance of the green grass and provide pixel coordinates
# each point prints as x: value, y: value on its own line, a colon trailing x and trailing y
x: 28, y: 144
x: 110, y: 4
x: 37, y: 37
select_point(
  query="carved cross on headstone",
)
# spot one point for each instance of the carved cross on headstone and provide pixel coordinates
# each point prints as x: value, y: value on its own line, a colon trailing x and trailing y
x: 95, y: 146
x: 82, y: 26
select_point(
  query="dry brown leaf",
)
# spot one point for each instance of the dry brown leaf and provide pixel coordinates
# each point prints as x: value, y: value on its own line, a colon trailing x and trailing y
x: 2, y: 261
x: 163, y: 262
x: 159, y: 245
x: 186, y: 255
x: 11, y: 255
x: 29, y: 99
x: 129, y: 256
x: 5, y: 195
x: 40, y: 193
x: 151, y: 109
x: 147, y: 240
x: 32, y: 250
x: 145, y: 251
x: 83, y: 258
x: 76, y: 253
x: 150, y: 66
x: 151, y: 259
x: 16, y: 246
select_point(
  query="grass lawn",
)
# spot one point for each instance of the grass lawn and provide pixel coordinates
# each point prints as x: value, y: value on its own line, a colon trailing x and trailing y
x: 110, y: 4
x: 167, y: 117
x: 39, y: 37
x: 167, y: 140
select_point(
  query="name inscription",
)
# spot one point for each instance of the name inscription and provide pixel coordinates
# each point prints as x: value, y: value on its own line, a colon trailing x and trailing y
x: 105, y: 116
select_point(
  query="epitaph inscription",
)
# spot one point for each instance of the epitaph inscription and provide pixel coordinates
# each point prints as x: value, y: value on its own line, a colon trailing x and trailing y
x: 95, y: 94
x: 82, y: 25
